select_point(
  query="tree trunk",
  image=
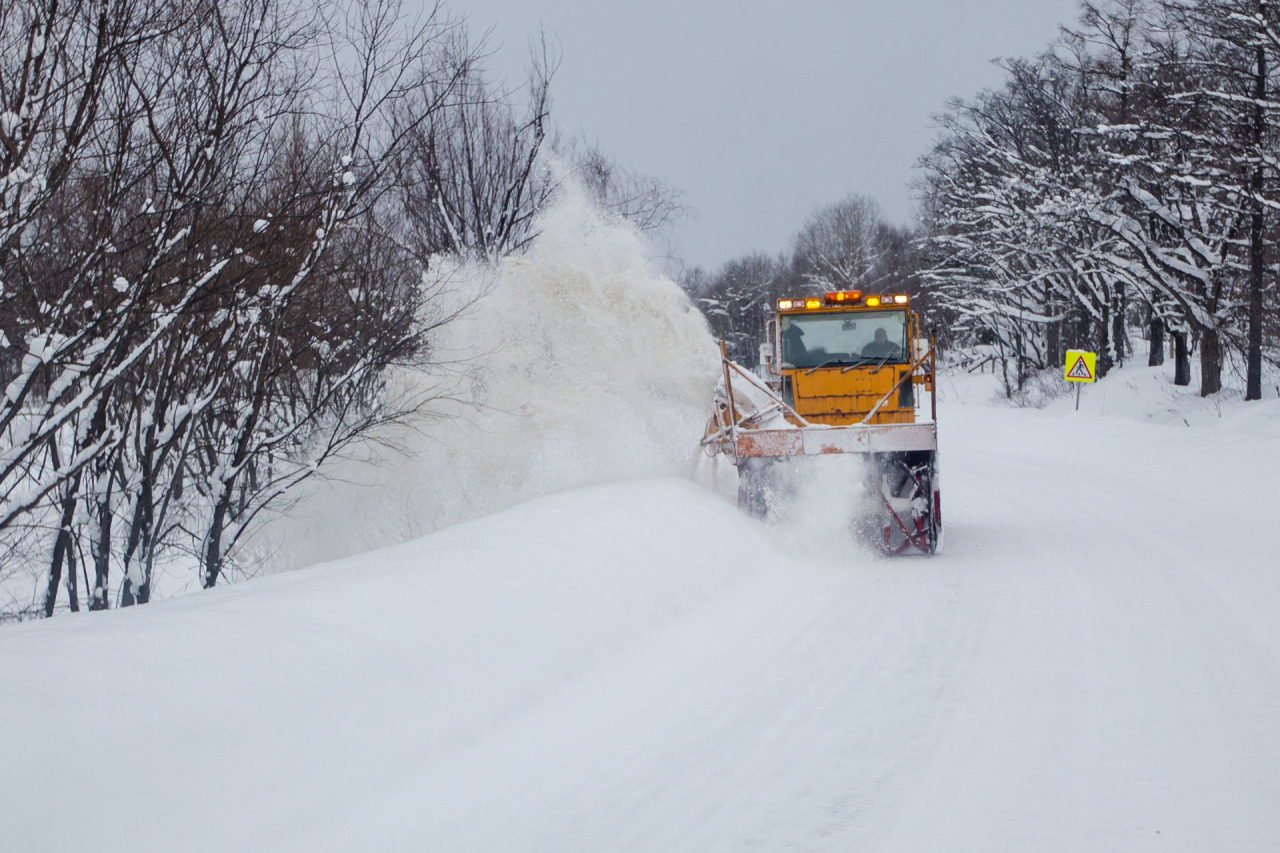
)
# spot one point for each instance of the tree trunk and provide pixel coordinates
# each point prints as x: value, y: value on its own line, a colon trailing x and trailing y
x: 62, y: 542
x: 213, y: 556
x: 139, y: 592
x: 1155, y: 356
x: 1253, y: 377
x: 73, y: 590
x: 1053, y: 337
x: 1104, y: 341
x: 99, y: 596
x: 1021, y: 363
x: 60, y: 551
x: 1118, y: 335
x: 1257, y: 249
x: 213, y: 543
x: 140, y: 533
x: 1181, y: 359
x: 1210, y: 362
x: 61, y: 555
x: 144, y: 564
x: 1257, y: 265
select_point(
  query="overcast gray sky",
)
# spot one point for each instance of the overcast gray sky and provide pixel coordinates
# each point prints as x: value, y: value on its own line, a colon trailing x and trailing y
x: 763, y: 111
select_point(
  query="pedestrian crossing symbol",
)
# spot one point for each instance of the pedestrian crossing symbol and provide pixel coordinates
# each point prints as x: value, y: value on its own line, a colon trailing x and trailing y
x: 1080, y: 366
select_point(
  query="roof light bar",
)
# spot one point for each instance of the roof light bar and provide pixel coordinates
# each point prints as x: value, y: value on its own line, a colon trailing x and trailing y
x: 834, y: 297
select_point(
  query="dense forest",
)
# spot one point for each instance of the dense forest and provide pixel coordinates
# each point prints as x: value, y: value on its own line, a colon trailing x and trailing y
x: 1120, y: 186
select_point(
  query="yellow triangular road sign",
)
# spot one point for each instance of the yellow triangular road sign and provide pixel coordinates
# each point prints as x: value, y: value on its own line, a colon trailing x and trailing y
x: 1080, y: 366
x: 1080, y: 371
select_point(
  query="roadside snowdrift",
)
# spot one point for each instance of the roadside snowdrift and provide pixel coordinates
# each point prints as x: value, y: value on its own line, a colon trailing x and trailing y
x: 260, y: 716
x: 578, y: 363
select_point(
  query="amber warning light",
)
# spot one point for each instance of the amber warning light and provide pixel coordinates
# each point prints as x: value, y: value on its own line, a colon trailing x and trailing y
x: 896, y: 299
x: 840, y: 297
x: 796, y: 304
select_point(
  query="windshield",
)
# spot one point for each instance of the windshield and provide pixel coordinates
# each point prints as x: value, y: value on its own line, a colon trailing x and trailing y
x: 813, y: 340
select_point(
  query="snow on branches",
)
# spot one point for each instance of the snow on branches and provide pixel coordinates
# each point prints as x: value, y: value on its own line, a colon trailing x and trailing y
x: 1125, y: 174
x: 205, y: 273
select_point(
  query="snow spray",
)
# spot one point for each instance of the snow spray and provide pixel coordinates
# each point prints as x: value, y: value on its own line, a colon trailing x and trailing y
x: 577, y: 363
x: 815, y: 502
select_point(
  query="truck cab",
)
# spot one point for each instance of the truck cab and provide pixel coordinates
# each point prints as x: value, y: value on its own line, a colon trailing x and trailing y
x: 839, y: 359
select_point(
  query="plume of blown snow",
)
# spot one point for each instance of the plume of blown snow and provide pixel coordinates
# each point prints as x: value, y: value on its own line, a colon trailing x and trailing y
x: 577, y: 363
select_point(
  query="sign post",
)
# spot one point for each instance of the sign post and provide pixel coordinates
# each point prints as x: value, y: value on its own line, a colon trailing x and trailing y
x: 1081, y: 366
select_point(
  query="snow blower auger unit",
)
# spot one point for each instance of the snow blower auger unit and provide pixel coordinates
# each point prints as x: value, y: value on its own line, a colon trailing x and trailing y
x: 839, y: 374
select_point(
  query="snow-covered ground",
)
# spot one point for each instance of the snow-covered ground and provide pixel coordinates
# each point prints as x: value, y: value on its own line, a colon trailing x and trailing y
x: 1092, y: 664
x: 591, y: 649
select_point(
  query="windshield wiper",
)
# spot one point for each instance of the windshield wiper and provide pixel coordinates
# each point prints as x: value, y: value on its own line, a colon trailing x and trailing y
x: 826, y: 363
x: 887, y: 356
x: 859, y: 363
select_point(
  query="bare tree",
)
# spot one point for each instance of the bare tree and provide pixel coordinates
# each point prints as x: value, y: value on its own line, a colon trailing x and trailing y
x: 736, y: 300
x: 471, y: 176
x: 219, y: 227
x: 207, y: 304
x: 645, y: 201
x: 311, y: 345
x: 836, y: 247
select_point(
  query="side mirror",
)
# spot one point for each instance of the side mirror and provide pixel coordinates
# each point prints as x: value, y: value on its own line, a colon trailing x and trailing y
x: 769, y: 352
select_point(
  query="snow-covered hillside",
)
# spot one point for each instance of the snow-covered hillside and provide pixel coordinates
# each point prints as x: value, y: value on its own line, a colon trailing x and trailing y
x: 1092, y: 664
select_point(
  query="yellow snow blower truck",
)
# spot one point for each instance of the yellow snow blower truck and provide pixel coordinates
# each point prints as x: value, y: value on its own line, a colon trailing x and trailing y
x: 839, y: 374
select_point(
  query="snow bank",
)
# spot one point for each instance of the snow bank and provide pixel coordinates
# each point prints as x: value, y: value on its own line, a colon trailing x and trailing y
x: 1134, y: 392
x: 282, y: 714
x: 578, y: 364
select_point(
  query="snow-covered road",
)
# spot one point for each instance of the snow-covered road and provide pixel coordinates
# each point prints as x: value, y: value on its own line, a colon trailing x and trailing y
x: 1092, y: 664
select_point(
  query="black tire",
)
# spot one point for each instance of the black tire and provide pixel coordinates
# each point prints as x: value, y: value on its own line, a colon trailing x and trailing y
x: 934, y: 523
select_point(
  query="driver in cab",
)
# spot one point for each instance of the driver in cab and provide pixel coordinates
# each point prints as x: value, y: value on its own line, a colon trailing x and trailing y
x: 882, y: 347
